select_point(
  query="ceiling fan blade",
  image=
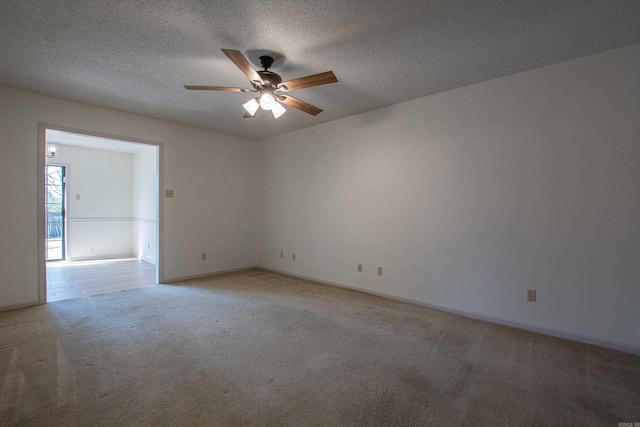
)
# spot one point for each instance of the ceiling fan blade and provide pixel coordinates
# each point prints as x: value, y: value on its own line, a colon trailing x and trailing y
x: 224, y: 89
x: 300, y: 105
x: 241, y: 62
x: 309, y: 81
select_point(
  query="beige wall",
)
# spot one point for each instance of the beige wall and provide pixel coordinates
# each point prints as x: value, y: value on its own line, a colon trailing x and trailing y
x: 469, y: 197
x: 213, y: 176
x: 144, y: 204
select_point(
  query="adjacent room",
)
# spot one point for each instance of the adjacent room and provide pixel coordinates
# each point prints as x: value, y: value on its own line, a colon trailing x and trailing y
x: 101, y: 214
x: 320, y: 213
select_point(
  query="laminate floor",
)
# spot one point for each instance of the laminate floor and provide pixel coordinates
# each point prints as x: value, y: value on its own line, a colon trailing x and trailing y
x: 74, y: 279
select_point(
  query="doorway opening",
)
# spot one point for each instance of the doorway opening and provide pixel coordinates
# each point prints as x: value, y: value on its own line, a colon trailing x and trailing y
x: 101, y: 215
x: 55, y: 199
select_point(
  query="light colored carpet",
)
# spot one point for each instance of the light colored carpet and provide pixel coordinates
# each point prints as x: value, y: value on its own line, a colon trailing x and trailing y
x: 257, y: 348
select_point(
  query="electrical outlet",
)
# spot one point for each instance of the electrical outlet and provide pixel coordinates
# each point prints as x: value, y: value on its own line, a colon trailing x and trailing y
x: 168, y: 193
x: 77, y: 197
x: 379, y: 271
x: 359, y: 268
x: 281, y: 254
x: 148, y: 245
x: 203, y: 257
x: 91, y: 250
x: 293, y: 257
x: 531, y: 295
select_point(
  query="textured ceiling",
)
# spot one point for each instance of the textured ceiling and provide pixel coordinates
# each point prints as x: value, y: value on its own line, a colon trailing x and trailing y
x: 136, y: 55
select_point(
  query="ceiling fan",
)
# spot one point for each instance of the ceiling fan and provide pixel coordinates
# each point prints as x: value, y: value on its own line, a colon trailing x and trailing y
x: 267, y: 83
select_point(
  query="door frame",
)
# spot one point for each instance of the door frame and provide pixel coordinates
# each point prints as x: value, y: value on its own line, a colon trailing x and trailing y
x: 42, y: 147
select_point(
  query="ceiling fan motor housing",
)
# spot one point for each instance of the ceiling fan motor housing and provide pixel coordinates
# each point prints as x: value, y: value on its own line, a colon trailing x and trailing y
x: 270, y: 80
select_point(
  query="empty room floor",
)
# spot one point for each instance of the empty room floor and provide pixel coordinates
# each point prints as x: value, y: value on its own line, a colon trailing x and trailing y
x: 74, y: 279
x: 260, y: 348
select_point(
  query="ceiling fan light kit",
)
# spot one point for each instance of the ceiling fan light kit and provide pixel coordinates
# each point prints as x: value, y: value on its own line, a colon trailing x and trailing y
x: 251, y: 106
x: 278, y: 110
x: 266, y: 101
x: 266, y: 83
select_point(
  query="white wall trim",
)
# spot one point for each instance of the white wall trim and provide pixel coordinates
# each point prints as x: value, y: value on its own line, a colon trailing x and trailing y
x: 149, y: 260
x: 559, y: 333
x: 160, y: 214
x: 100, y: 219
x: 94, y: 258
x: 215, y: 273
x: 17, y: 306
x: 149, y: 221
x: 41, y: 217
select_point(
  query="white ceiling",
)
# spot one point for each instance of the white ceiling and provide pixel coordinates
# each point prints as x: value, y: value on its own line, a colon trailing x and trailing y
x: 58, y: 137
x: 136, y: 55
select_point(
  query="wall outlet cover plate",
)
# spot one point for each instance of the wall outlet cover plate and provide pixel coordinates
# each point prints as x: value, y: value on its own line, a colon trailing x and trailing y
x: 531, y: 295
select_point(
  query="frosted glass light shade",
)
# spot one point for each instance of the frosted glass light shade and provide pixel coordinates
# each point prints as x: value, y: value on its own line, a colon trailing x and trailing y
x: 251, y: 106
x: 267, y: 101
x: 278, y: 110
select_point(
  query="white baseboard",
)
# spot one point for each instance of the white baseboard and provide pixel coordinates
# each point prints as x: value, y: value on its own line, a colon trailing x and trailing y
x: 572, y: 336
x: 149, y: 260
x: 94, y: 258
x: 214, y: 273
x: 17, y: 306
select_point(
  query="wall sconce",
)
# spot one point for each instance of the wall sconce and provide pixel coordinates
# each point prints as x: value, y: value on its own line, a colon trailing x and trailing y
x: 51, y: 151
